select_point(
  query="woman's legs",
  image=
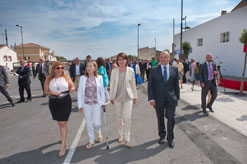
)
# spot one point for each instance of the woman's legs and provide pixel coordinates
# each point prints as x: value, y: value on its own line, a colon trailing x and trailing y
x: 119, y: 114
x: 127, y: 110
x: 88, y: 114
x: 97, y: 120
x: 63, y: 133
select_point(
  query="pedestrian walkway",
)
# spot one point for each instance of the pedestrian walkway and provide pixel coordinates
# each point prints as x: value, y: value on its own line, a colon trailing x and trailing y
x: 229, y: 109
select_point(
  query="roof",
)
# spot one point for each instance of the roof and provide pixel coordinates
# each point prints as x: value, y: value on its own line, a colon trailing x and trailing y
x: 241, y: 4
x: 2, y: 45
x: 32, y: 45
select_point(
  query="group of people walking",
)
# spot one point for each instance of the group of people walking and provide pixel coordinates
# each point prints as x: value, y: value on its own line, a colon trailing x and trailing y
x: 91, y: 80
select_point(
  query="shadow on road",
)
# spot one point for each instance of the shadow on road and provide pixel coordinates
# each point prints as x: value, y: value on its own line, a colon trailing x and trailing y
x: 119, y: 154
x: 34, y: 156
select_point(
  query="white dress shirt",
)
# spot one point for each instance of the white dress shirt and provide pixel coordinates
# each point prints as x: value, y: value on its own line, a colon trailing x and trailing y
x: 77, y: 70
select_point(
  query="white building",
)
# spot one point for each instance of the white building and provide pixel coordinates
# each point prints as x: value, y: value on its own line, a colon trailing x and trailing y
x: 7, y: 55
x: 219, y: 36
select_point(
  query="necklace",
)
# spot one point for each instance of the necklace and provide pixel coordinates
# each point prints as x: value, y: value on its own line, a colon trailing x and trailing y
x: 58, y: 88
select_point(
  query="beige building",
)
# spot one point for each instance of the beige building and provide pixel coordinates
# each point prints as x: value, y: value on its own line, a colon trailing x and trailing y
x: 33, y: 52
x: 148, y: 53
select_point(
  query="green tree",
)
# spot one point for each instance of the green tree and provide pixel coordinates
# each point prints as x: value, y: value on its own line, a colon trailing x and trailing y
x: 167, y: 50
x: 186, y: 48
x: 132, y: 57
x: 243, y: 39
x: 61, y: 58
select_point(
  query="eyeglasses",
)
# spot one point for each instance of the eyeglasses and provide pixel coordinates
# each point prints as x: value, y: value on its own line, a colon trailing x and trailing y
x: 58, y: 68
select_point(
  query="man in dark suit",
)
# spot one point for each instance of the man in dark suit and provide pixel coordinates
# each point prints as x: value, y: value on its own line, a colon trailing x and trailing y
x: 23, y: 73
x: 207, y: 77
x: 142, y: 69
x: 148, y: 67
x: 42, y: 69
x: 4, y: 83
x: 163, y: 92
x: 76, y: 71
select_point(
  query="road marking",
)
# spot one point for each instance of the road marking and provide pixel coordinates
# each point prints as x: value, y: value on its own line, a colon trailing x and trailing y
x: 74, y: 143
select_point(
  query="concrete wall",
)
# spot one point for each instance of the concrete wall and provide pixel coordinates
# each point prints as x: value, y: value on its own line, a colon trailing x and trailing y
x: 147, y: 53
x: 229, y: 54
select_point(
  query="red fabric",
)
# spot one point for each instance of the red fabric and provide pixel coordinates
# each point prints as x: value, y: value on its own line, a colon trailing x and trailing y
x: 245, y: 48
x: 232, y: 84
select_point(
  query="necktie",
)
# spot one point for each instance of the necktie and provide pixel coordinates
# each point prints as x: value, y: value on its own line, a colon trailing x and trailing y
x: 165, y: 75
x: 41, y: 71
x: 210, y: 72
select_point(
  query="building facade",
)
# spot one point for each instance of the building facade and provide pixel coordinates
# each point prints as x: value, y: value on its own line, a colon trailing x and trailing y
x: 148, y: 53
x: 220, y: 37
x: 33, y: 52
x: 7, y: 56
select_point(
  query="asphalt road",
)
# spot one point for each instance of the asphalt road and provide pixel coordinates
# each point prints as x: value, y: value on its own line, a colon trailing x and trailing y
x: 28, y: 135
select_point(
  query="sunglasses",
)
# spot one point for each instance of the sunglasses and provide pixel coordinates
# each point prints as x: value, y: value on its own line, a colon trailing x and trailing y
x: 58, y: 68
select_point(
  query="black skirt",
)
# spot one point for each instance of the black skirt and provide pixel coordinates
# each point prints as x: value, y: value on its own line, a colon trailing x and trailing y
x: 60, y: 108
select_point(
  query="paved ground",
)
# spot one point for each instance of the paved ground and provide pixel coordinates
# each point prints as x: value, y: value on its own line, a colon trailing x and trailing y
x: 28, y: 135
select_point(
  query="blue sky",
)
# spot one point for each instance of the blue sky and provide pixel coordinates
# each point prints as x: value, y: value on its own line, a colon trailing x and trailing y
x: 104, y: 28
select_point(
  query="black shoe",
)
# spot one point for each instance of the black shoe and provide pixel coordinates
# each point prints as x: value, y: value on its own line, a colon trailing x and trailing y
x: 11, y: 102
x: 20, y: 101
x: 171, y: 144
x: 161, y: 141
x: 204, y: 111
x: 28, y: 100
x: 210, y: 108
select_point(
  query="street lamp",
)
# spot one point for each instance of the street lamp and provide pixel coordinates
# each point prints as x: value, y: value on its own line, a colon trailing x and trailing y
x: 22, y: 40
x: 181, y: 29
x: 138, y: 39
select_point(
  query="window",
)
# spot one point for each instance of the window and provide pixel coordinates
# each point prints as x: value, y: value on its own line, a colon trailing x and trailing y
x: 200, y: 42
x: 5, y: 58
x: 10, y: 58
x: 225, y: 37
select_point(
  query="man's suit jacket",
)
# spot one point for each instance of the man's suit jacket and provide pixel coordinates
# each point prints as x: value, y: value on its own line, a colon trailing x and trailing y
x: 203, y: 73
x: 158, y: 90
x: 25, y: 73
x: 82, y: 87
x: 73, y: 71
x: 108, y: 66
x: 130, y: 83
x: 45, y: 70
x: 3, y: 77
x: 142, y: 66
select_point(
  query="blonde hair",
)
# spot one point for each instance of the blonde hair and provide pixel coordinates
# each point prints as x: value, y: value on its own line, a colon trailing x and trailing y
x: 95, y: 66
x: 52, y: 73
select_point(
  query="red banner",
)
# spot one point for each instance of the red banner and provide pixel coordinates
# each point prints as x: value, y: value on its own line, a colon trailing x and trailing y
x: 245, y: 48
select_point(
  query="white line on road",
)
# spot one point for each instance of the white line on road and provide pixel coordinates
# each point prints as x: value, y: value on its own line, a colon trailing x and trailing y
x: 74, y: 143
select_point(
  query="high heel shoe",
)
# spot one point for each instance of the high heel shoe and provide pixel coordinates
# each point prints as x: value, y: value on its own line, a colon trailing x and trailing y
x: 62, y: 152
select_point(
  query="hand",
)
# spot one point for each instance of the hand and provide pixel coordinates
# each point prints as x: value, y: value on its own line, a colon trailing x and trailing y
x: 202, y: 85
x: 6, y: 85
x: 134, y: 101
x: 71, y: 90
x: 112, y: 102
x: 215, y: 72
x: 80, y: 109
x: 152, y: 103
x: 56, y: 93
x: 20, y: 77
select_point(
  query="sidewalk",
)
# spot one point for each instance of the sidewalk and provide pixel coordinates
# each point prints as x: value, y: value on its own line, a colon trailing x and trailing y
x: 229, y: 109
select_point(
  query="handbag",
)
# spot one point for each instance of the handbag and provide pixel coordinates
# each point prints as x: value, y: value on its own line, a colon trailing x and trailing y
x: 139, y: 80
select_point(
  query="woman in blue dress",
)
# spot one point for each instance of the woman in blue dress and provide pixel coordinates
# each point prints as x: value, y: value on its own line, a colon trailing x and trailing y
x: 102, y: 71
x: 136, y: 70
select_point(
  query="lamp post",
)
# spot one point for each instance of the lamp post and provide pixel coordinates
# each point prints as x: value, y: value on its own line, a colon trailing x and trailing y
x: 138, y: 39
x: 181, y: 29
x: 22, y: 40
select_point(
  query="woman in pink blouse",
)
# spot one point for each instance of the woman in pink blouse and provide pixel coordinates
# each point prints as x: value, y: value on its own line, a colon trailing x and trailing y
x: 91, y: 96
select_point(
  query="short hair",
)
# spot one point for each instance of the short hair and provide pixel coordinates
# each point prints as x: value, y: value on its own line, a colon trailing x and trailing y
x: 88, y: 56
x: 122, y: 55
x: 100, y: 61
x: 95, y: 66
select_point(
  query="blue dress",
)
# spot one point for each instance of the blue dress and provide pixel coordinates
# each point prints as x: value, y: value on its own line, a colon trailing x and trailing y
x: 102, y: 71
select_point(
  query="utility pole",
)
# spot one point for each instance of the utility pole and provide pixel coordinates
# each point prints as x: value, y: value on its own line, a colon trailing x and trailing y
x: 6, y: 37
